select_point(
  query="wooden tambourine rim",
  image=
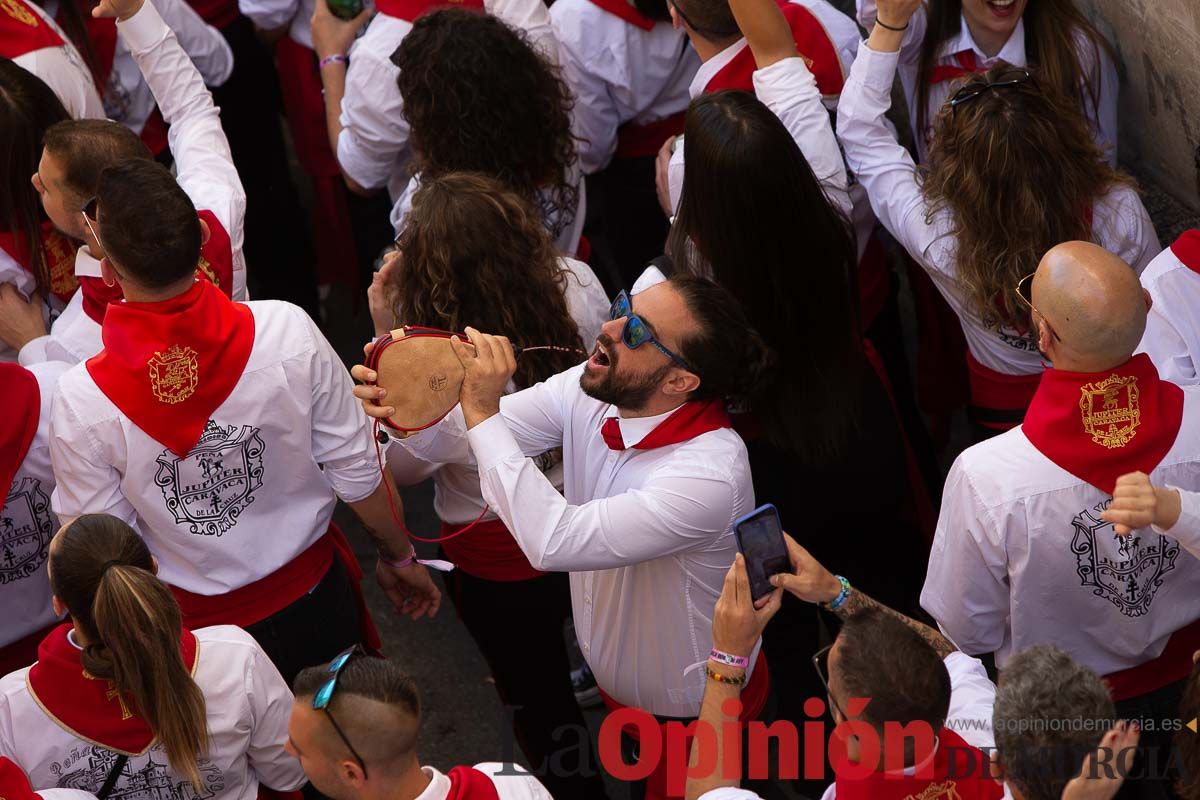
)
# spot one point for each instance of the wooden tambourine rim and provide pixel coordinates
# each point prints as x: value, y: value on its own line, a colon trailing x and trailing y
x: 386, y: 341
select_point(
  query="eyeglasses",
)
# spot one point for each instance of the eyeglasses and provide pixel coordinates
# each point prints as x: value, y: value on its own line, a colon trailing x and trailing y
x: 820, y: 662
x: 635, y: 333
x: 1005, y: 80
x: 324, y: 695
x: 1025, y: 293
x: 89, y: 215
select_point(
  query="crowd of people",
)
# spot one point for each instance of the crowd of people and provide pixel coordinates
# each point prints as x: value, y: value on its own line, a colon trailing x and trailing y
x: 786, y: 292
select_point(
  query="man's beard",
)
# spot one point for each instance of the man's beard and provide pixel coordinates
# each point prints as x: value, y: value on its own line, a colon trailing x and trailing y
x: 623, y: 391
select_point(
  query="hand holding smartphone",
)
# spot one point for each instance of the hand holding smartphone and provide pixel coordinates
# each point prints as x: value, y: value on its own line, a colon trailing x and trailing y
x: 760, y: 538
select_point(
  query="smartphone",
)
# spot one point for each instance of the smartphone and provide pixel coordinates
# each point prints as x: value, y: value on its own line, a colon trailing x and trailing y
x: 760, y: 538
x: 345, y: 9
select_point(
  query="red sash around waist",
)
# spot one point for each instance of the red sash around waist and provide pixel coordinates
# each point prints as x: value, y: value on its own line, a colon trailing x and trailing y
x: 999, y: 400
x: 267, y: 596
x: 1173, y: 664
x: 643, y: 140
x: 488, y: 551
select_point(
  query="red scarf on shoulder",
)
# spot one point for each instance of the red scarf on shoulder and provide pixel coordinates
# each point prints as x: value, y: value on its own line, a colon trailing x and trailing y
x: 23, y: 31
x: 468, y: 783
x: 20, y: 408
x: 57, y: 249
x: 409, y: 10
x: 813, y: 43
x: 1099, y: 426
x: 87, y: 707
x: 956, y: 771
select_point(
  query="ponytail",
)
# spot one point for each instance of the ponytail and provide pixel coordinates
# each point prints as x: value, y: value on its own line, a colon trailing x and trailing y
x: 132, y: 624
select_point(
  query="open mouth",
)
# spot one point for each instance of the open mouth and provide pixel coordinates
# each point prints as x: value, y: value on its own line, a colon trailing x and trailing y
x: 1002, y: 8
x: 600, y: 358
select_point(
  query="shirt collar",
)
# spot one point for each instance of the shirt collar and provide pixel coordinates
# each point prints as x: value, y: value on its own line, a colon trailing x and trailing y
x: 709, y: 69
x: 634, y: 429
x: 85, y: 264
x: 1013, y: 51
x: 438, y: 788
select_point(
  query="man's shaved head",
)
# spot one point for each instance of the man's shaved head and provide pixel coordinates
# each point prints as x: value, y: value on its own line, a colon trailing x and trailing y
x: 1094, y: 302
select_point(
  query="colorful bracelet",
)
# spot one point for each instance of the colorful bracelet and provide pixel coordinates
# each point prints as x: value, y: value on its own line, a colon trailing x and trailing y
x: 719, y: 678
x: 840, y: 600
x: 721, y: 657
x: 885, y: 26
x: 337, y: 58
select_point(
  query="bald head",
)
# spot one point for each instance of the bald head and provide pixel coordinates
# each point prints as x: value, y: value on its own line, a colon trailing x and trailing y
x: 1094, y: 302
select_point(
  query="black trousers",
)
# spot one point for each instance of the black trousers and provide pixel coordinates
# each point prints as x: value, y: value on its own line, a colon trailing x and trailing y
x: 278, y: 249
x: 315, y: 628
x: 1153, y: 775
x: 518, y: 626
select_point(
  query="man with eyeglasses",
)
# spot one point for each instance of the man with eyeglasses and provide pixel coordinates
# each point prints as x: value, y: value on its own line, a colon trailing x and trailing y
x: 654, y: 477
x: 354, y: 730
x: 1025, y: 552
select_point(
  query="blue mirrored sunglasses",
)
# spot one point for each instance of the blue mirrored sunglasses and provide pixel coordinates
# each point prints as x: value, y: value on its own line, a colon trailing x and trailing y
x: 324, y: 696
x: 635, y: 333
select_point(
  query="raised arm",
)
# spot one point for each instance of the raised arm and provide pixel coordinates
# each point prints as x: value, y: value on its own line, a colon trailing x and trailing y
x: 204, y: 44
x: 910, y: 49
x: 765, y: 29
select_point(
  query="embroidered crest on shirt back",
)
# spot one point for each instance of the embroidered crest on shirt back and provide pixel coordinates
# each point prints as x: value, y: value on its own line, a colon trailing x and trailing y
x: 174, y: 374
x: 25, y: 531
x: 85, y: 768
x: 1110, y: 410
x: 211, y: 486
x: 1126, y: 571
x: 19, y: 13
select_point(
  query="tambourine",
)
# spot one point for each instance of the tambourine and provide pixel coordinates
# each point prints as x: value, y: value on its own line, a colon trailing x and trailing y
x: 422, y: 376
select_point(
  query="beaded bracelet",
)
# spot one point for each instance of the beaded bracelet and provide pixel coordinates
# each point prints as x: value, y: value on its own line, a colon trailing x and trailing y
x: 719, y: 678
x: 338, y: 58
x: 721, y: 657
x: 840, y: 600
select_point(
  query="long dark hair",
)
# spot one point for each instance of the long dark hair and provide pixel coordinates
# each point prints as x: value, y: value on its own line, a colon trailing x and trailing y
x: 1054, y: 31
x: 480, y: 98
x: 104, y: 574
x: 27, y: 108
x: 754, y: 214
x: 475, y: 253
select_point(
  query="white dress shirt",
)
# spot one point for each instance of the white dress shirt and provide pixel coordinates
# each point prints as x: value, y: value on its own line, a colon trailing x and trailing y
x: 1120, y: 222
x: 1021, y: 557
x: 790, y: 93
x: 457, y: 499
x: 637, y: 529
x: 1101, y: 72
x: 290, y: 426
x: 247, y: 705
x: 509, y: 786
x: 204, y: 170
x: 619, y: 73
x: 64, y: 71
x: 1172, y: 337
x: 27, y: 524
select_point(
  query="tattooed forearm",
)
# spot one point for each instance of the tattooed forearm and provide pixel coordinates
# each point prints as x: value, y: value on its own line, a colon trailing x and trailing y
x: 857, y: 601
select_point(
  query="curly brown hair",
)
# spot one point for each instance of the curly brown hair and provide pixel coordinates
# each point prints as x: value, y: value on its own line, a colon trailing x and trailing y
x: 476, y: 253
x: 1019, y: 172
x: 479, y: 98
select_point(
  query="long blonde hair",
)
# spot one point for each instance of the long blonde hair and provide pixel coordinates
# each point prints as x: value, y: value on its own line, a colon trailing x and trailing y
x: 1019, y: 172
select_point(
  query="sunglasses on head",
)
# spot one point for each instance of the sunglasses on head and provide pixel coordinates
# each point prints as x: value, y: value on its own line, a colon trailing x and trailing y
x: 636, y: 333
x: 324, y: 696
x: 1005, y: 80
x: 1025, y: 293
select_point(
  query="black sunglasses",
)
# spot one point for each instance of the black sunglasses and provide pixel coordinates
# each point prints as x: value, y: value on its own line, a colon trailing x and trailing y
x: 324, y: 695
x: 1005, y: 80
x: 820, y: 662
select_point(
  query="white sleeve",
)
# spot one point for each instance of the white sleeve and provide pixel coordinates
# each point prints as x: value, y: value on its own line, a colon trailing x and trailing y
x: 1186, y: 529
x: 203, y: 162
x: 587, y: 302
x: 1134, y: 237
x: 62, y: 69
x: 1102, y: 73
x: 1166, y: 347
x: 595, y: 114
x: 269, y: 15
x: 342, y: 442
x: 203, y: 43
x: 675, y: 173
x: 910, y: 49
x: 271, y: 706
x: 972, y: 696
x: 790, y: 91
x: 532, y: 17
x: 87, y: 483
x: 374, y: 134
x: 884, y: 168
x: 966, y: 587
x: 729, y: 793
x: 671, y: 511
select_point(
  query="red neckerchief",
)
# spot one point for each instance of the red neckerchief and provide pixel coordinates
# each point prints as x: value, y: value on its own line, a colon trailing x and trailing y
x: 468, y: 783
x: 1187, y: 249
x: 812, y: 42
x: 409, y: 10
x: 103, y: 33
x: 626, y: 11
x: 1099, y: 426
x: 168, y: 366
x: 686, y: 422
x: 13, y: 783
x: 20, y: 408
x: 957, y: 770
x: 58, y: 250
x: 216, y: 265
x: 88, y: 707
x: 23, y: 31
x: 967, y: 65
